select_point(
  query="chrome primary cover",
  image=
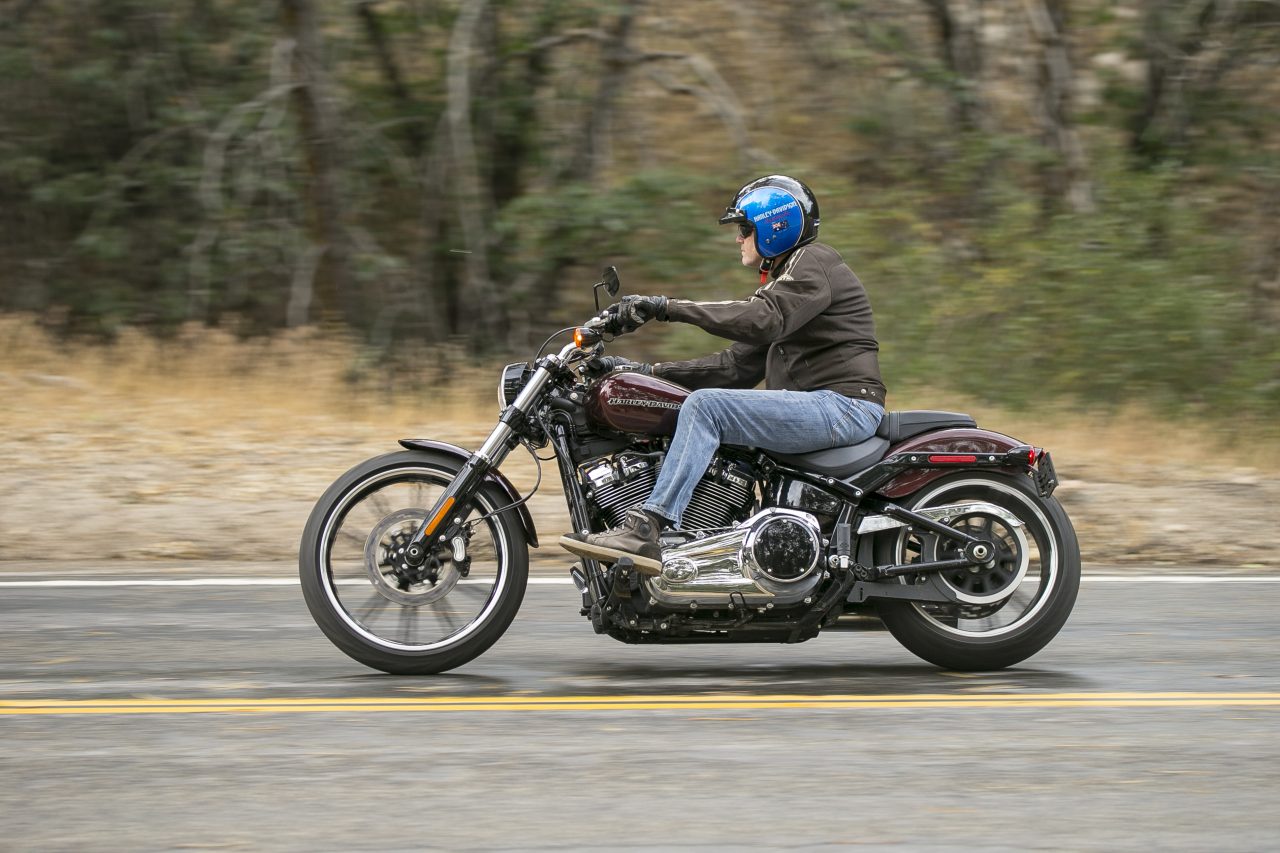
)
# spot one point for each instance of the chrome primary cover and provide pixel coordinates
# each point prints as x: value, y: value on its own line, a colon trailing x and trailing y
x: 708, y: 570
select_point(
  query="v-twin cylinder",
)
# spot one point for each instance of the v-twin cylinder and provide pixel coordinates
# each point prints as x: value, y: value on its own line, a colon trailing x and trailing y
x: 771, y: 558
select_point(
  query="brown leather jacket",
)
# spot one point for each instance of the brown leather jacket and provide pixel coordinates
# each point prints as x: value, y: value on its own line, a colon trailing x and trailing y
x: 808, y: 329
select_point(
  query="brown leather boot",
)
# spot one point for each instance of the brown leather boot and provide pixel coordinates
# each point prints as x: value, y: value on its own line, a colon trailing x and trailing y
x: 636, y: 537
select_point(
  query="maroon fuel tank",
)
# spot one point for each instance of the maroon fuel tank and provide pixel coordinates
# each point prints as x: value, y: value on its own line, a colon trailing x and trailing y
x: 963, y: 440
x: 633, y: 402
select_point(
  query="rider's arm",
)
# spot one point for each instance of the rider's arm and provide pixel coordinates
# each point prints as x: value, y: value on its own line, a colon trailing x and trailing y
x: 799, y: 293
x: 739, y: 366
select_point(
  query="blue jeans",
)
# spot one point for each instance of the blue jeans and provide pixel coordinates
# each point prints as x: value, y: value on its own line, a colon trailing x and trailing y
x: 785, y: 421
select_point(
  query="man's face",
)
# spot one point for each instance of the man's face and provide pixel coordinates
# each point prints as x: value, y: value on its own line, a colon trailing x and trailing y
x: 747, y: 246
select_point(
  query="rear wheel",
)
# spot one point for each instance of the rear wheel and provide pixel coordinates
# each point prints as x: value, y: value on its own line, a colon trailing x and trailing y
x: 1007, y: 610
x: 394, y: 617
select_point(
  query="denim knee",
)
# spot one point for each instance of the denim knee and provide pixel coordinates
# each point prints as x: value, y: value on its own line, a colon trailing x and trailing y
x: 699, y: 409
x: 696, y: 403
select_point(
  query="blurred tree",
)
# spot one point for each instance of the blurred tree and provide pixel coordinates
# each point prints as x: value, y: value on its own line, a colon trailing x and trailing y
x: 329, y: 252
x: 1068, y: 179
x: 439, y: 171
x: 1190, y: 47
x: 958, y: 24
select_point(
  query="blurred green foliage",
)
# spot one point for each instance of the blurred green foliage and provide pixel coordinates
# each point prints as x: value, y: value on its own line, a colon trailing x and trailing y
x: 1138, y: 301
x: 152, y: 173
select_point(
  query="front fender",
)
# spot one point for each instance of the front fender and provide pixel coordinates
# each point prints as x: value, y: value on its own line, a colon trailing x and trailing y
x: 942, y: 441
x: 495, y: 476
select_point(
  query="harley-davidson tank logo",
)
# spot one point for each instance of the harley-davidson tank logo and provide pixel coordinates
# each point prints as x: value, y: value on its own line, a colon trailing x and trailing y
x: 644, y: 404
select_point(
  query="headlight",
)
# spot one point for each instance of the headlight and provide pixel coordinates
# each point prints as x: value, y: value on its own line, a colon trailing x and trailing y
x: 514, y: 377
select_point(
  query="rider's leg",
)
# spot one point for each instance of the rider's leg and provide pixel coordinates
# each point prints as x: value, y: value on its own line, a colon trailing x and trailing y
x: 785, y: 421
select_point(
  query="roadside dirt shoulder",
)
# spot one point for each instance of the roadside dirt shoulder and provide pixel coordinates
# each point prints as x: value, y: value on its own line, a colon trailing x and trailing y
x: 93, y: 486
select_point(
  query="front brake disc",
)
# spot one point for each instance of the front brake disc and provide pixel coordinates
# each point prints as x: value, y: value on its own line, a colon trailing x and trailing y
x: 385, y: 565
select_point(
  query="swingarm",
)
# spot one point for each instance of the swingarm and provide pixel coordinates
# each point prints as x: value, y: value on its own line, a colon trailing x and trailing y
x: 878, y: 514
x: 974, y: 551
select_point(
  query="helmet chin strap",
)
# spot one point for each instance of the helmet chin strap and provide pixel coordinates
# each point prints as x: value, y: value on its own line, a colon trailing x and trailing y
x: 766, y: 264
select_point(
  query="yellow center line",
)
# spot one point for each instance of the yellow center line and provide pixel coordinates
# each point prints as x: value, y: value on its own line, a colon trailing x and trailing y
x: 684, y: 702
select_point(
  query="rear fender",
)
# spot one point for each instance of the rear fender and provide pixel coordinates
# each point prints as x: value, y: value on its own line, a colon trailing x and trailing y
x: 944, y: 441
x: 496, y: 477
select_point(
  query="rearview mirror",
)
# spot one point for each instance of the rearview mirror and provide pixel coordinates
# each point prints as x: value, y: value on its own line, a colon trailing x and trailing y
x: 609, y: 281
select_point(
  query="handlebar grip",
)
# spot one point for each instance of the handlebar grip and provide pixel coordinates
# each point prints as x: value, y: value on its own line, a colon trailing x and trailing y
x: 607, y: 324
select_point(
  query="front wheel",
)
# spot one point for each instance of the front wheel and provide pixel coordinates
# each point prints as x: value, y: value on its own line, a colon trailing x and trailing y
x: 1007, y: 610
x: 392, y: 617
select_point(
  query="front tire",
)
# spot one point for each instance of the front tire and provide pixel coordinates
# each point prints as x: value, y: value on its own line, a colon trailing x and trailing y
x: 347, y: 565
x: 1007, y: 613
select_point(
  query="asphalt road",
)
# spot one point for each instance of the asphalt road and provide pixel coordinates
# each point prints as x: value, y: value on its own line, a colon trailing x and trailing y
x: 1152, y: 722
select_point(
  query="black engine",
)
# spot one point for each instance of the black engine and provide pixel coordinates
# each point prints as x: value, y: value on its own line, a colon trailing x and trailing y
x: 615, y: 485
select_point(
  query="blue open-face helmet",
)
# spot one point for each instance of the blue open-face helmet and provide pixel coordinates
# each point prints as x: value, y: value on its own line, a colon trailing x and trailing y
x: 780, y: 211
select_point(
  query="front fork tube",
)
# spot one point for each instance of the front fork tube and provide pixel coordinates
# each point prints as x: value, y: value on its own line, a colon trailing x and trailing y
x: 446, y: 518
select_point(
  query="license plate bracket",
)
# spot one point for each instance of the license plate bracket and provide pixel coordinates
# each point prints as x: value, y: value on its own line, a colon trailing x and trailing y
x: 1045, y: 476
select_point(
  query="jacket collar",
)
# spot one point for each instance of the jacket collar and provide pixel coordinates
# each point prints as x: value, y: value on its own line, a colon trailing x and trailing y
x: 780, y: 262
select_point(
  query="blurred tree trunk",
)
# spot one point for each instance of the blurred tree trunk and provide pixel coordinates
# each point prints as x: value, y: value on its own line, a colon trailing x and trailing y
x: 377, y: 36
x: 591, y: 153
x: 958, y: 25
x: 430, y: 270
x: 587, y: 160
x: 1069, y: 180
x: 1266, y: 270
x: 335, y: 286
x: 423, y: 305
x: 1167, y: 60
x: 1189, y: 47
x: 514, y: 141
x: 15, y: 18
x: 477, y: 300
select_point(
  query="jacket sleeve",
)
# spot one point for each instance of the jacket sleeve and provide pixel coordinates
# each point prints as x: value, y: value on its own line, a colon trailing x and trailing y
x: 800, y: 293
x: 739, y: 366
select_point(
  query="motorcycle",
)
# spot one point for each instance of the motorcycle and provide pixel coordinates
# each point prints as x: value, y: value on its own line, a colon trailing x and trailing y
x: 416, y: 561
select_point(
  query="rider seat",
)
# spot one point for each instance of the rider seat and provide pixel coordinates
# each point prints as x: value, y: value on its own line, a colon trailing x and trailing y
x: 899, y: 426
x: 844, y: 462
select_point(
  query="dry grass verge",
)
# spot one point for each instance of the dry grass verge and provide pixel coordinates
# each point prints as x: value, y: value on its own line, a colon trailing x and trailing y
x: 206, y: 447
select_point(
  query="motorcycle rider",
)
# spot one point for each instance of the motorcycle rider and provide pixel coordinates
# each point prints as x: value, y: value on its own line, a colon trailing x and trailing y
x: 807, y: 331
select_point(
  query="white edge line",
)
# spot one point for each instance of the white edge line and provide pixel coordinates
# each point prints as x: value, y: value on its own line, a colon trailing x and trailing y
x: 70, y: 582
x: 1180, y: 579
x: 232, y: 582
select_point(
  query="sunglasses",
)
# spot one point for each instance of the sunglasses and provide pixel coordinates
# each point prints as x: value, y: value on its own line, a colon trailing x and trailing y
x: 745, y: 229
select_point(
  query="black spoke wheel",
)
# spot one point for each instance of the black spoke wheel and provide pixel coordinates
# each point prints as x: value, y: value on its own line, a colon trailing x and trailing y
x: 981, y: 590
x: 393, y: 616
x: 1004, y: 610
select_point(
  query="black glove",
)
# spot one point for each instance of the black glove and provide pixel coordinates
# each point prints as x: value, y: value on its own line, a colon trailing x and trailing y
x: 602, y: 364
x: 634, y: 311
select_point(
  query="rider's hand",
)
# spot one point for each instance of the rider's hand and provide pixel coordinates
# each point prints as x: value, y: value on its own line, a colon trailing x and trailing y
x: 634, y: 311
x: 602, y: 364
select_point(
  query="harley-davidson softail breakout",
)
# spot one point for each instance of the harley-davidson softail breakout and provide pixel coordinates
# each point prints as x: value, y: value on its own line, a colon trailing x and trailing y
x: 416, y: 561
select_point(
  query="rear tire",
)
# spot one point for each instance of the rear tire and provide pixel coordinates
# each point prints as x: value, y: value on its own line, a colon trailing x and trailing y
x: 1008, y: 624
x: 348, y: 580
